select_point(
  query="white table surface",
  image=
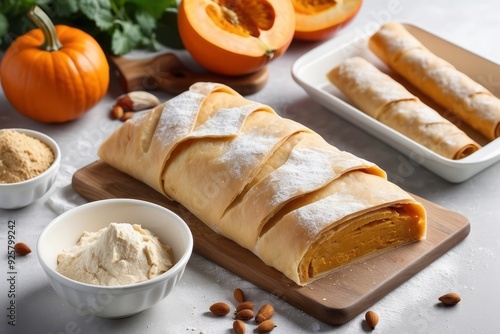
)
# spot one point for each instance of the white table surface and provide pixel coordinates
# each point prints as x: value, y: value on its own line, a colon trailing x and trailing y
x: 471, y: 268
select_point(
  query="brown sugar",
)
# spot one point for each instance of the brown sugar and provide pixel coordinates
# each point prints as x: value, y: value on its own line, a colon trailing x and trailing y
x: 22, y: 157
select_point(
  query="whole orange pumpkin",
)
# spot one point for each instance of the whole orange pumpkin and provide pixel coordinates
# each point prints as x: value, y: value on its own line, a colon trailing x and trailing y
x: 54, y: 74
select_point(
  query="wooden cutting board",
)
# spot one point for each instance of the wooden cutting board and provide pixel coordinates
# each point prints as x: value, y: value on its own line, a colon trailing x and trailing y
x: 335, y: 299
x: 167, y: 73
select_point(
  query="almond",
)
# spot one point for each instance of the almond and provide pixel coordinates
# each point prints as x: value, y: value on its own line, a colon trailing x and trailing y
x: 239, y: 327
x: 126, y: 116
x: 450, y: 299
x: 265, y: 313
x: 244, y: 315
x: 239, y: 295
x: 138, y: 100
x: 117, y: 112
x: 371, y: 319
x: 266, y: 326
x: 245, y: 305
x: 219, y: 309
x: 22, y: 249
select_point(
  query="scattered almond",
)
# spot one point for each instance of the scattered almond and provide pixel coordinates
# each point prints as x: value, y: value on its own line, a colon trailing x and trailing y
x: 138, y: 100
x: 266, y: 326
x: 265, y: 313
x: 22, y: 249
x: 239, y: 327
x: 244, y: 314
x: 239, y: 295
x: 371, y: 319
x: 117, y: 112
x: 450, y: 299
x: 126, y: 116
x: 220, y: 309
x: 245, y: 305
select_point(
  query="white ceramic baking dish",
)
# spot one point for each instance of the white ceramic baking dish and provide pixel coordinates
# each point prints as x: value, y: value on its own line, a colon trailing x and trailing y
x: 310, y: 70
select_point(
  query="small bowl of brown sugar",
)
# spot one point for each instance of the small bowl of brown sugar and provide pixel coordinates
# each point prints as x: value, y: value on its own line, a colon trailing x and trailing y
x: 29, y: 162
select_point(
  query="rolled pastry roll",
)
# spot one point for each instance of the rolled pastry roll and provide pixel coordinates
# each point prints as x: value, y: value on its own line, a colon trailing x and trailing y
x: 389, y: 102
x: 437, y: 78
x: 268, y: 183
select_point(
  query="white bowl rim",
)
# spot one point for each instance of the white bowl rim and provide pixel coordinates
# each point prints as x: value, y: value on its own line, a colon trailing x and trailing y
x: 178, y: 265
x: 47, y: 140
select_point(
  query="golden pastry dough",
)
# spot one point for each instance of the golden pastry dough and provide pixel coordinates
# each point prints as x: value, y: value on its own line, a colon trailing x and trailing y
x: 386, y: 100
x: 437, y: 78
x: 268, y: 183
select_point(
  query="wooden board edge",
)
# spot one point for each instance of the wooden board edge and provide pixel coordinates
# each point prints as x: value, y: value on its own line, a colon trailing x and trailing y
x: 404, y: 275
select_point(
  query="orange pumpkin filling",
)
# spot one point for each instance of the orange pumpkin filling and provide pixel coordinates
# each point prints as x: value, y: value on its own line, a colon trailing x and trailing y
x: 319, y: 19
x: 313, y: 7
x: 241, y: 20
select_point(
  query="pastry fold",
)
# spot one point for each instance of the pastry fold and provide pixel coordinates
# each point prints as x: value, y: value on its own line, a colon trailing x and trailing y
x: 437, y: 78
x: 386, y: 100
x: 268, y: 183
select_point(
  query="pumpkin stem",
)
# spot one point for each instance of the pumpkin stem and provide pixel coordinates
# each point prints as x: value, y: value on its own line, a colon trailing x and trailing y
x: 42, y: 21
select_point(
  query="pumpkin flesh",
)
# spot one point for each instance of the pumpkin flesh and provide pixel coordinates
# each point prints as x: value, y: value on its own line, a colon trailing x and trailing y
x: 236, y: 37
x: 318, y: 19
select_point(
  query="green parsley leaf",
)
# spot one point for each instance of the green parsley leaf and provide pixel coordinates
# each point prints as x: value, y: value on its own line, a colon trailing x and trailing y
x: 125, y: 38
x: 154, y: 7
x: 60, y: 8
x: 4, y: 25
x: 119, y: 25
x: 96, y: 10
x: 145, y: 21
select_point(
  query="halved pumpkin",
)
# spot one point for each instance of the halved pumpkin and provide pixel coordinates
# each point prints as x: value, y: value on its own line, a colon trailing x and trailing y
x: 236, y: 37
x: 318, y: 19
